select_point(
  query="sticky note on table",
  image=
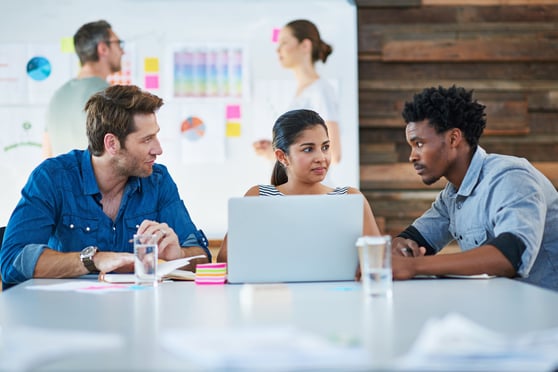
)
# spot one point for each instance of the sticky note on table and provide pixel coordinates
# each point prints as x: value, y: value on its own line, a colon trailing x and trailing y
x: 211, y: 273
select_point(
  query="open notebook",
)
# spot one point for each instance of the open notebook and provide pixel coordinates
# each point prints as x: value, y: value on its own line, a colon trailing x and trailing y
x: 298, y: 238
x: 165, y: 270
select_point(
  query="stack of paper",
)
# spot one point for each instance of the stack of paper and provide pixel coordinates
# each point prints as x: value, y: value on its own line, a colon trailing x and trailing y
x: 262, y: 349
x: 212, y: 273
x: 455, y: 343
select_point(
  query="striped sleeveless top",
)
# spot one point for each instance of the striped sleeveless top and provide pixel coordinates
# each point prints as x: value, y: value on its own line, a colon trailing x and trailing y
x: 270, y: 190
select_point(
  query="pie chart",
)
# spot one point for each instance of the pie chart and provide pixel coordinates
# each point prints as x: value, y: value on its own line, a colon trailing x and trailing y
x: 38, y: 68
x: 193, y: 128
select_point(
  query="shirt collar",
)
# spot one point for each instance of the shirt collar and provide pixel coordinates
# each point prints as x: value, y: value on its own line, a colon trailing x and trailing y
x: 90, y: 186
x: 473, y: 172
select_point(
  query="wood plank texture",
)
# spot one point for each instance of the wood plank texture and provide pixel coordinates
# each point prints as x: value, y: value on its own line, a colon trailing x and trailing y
x: 498, y: 49
x: 378, y: 70
x: 402, y: 176
x: 506, y: 51
x: 477, y: 85
x: 390, y: 3
x: 398, y: 176
x: 486, y: 2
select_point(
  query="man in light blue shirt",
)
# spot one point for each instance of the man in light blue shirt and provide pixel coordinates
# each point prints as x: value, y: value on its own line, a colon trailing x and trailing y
x: 78, y: 211
x: 500, y: 209
x: 100, y: 53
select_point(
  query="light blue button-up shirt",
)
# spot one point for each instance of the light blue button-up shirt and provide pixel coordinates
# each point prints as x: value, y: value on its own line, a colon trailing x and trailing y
x: 61, y: 208
x: 499, y: 194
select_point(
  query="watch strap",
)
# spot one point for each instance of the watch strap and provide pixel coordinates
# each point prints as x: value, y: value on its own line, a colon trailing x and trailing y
x: 87, y: 260
x: 89, y: 264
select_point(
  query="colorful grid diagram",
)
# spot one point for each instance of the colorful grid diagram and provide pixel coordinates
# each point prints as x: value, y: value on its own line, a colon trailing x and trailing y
x: 208, y: 72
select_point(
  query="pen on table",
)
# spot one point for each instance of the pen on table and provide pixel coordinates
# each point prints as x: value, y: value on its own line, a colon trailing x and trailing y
x: 406, y: 251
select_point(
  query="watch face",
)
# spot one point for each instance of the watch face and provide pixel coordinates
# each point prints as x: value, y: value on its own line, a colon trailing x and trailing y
x: 88, y: 251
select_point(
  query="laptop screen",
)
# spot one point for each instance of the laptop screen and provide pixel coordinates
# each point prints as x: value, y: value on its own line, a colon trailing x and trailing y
x: 296, y: 238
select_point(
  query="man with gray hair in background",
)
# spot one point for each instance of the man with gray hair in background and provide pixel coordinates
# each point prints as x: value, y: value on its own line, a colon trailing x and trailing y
x: 100, y: 54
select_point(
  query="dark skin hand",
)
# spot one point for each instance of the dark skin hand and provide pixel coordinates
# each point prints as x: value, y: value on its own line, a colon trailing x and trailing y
x: 486, y: 259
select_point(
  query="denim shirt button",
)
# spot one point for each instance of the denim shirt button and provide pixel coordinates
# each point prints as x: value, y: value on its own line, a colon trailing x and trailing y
x: 72, y: 226
x: 87, y: 229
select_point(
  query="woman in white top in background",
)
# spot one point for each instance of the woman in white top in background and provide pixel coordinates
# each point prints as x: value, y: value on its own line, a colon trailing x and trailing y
x: 300, y: 47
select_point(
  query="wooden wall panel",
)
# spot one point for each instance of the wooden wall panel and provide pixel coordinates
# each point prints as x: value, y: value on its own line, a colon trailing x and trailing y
x: 506, y: 51
x: 486, y: 2
x: 378, y: 70
x: 531, y: 47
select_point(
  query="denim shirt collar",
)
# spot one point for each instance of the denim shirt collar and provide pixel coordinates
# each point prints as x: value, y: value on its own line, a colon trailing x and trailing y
x: 473, y: 172
x: 90, y: 186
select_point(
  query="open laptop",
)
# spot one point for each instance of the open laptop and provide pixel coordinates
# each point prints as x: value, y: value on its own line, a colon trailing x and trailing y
x: 302, y: 238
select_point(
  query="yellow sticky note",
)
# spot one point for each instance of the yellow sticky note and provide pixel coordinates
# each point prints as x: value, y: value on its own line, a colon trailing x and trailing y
x: 151, y: 64
x: 233, y: 129
x: 67, y: 45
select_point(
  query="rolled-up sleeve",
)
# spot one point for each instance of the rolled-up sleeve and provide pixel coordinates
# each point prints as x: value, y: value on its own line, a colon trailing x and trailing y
x: 25, y: 262
x: 516, y: 205
x: 30, y: 226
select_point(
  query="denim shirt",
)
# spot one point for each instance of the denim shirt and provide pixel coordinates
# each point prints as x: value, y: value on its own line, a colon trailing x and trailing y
x: 499, y: 194
x: 61, y: 208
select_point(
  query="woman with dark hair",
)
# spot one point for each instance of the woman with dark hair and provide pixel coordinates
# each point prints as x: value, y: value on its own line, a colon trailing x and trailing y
x: 299, y: 48
x: 302, y: 151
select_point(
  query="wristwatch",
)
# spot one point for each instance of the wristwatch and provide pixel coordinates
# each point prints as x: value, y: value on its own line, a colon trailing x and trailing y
x: 86, y: 256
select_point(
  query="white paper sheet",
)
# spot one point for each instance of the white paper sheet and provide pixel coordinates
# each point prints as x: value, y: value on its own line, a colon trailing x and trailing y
x: 262, y: 349
x: 81, y: 285
x: 25, y: 348
x: 455, y: 343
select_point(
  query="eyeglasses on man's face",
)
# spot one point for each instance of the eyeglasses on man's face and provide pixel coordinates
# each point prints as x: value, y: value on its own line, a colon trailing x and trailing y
x: 120, y: 43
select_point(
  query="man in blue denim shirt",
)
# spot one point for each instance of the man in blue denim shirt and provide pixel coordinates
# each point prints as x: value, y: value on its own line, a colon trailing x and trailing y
x: 78, y: 211
x: 501, y: 211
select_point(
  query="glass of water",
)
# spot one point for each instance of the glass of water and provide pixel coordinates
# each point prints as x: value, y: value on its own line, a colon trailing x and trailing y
x: 374, y: 253
x: 145, y: 258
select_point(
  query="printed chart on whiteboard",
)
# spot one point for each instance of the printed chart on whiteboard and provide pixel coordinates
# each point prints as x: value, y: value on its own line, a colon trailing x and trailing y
x: 209, y: 71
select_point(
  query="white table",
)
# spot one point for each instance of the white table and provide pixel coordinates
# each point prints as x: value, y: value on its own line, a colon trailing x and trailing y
x: 334, y: 310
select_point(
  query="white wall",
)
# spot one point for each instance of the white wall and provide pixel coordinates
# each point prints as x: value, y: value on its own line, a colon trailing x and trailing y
x: 150, y: 27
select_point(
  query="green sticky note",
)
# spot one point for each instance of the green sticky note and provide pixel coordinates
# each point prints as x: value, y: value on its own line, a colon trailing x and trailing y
x: 67, y: 45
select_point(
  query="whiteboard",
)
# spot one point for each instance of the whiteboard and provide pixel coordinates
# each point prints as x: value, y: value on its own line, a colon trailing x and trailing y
x: 154, y: 30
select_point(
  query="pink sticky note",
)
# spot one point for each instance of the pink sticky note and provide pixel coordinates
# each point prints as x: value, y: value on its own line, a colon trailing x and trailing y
x: 151, y: 81
x: 233, y: 111
x: 275, y: 35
